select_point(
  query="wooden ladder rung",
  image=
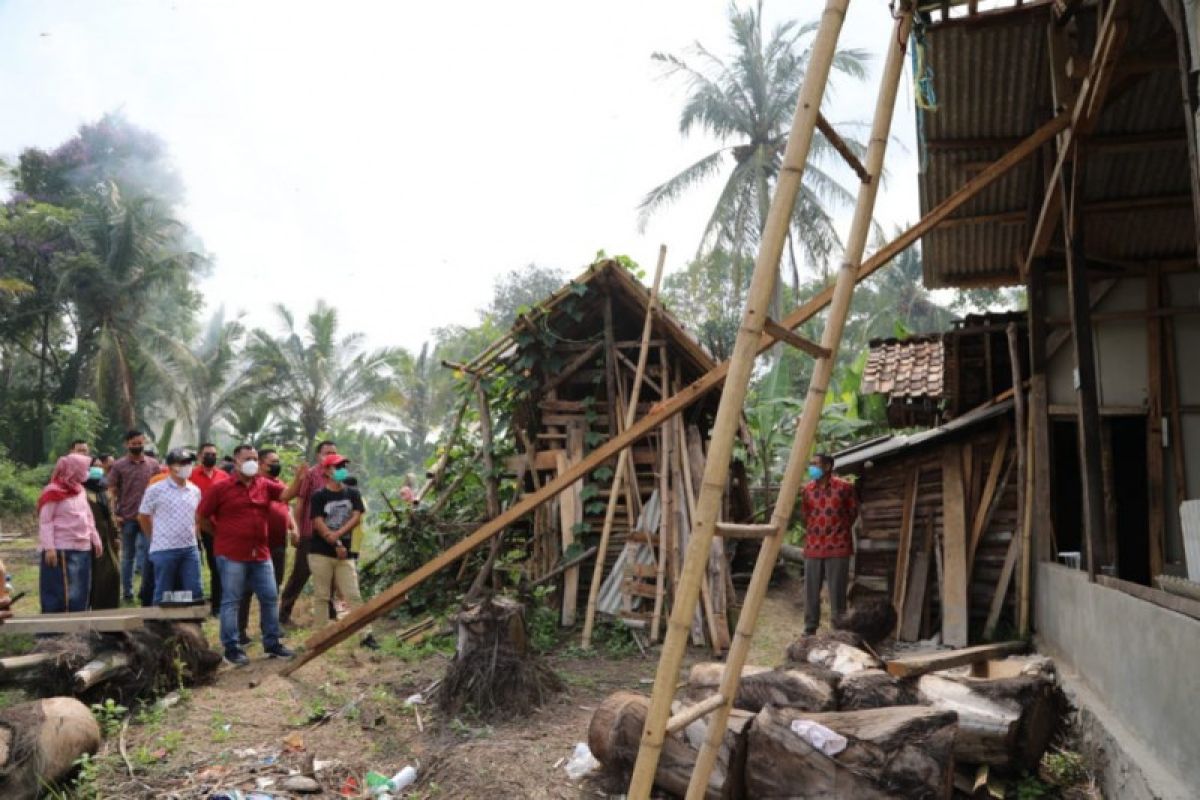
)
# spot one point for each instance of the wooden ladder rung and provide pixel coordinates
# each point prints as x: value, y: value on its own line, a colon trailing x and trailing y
x: 641, y: 537
x: 730, y: 530
x: 638, y: 589
x: 693, y: 713
x: 794, y: 339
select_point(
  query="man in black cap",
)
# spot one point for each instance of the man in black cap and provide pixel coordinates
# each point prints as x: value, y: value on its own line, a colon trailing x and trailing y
x: 167, y: 516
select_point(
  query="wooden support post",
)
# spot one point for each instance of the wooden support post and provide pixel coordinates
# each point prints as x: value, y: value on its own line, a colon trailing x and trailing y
x: 1178, y: 451
x: 1039, y: 413
x: 983, y: 512
x: 680, y: 400
x: 908, y: 520
x: 954, y: 549
x: 1155, y: 463
x: 1026, y: 590
x: 570, y: 510
x: 795, y: 474
x: 624, y: 462
x: 1020, y: 419
x: 1086, y: 392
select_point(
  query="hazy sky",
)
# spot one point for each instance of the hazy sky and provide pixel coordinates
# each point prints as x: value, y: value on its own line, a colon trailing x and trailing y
x: 393, y: 158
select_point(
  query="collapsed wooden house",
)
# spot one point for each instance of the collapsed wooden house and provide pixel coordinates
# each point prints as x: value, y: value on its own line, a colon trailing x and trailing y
x: 574, y: 357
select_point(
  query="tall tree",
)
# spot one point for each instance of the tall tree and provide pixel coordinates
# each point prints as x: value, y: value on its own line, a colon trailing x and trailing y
x: 746, y: 102
x: 323, y: 378
x: 214, y: 374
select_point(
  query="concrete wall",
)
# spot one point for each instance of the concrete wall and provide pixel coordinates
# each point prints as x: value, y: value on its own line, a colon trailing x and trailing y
x: 1139, y: 659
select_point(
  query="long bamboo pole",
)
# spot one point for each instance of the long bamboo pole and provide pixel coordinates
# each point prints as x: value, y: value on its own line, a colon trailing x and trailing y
x: 679, y: 401
x: 623, y: 461
x: 796, y: 471
x: 733, y: 394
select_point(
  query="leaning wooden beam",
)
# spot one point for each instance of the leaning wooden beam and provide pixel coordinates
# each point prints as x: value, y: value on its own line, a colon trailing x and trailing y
x: 796, y: 472
x: 797, y: 341
x: 909, y: 666
x: 983, y: 512
x: 623, y: 462
x: 385, y: 601
x: 908, y: 521
x: 843, y: 149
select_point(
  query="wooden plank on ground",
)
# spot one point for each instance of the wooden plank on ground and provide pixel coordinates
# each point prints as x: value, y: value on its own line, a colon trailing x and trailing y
x: 70, y: 623
x: 917, y: 589
x: 921, y: 663
x: 954, y: 549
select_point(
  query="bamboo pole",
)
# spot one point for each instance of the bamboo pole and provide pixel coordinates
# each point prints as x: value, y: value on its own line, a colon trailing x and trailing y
x: 439, y: 469
x: 797, y: 466
x: 679, y: 401
x: 733, y: 395
x: 623, y: 461
x: 664, y: 487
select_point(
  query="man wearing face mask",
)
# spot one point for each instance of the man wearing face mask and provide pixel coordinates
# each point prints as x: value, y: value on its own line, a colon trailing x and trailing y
x: 205, y: 476
x: 829, y: 506
x: 127, y: 482
x: 167, y: 516
x: 237, y: 511
x: 336, y: 512
x: 281, y: 528
x: 313, y: 481
x: 106, y: 567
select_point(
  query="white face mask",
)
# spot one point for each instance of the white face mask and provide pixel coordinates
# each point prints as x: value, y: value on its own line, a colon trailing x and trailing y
x: 184, y: 471
x: 249, y: 468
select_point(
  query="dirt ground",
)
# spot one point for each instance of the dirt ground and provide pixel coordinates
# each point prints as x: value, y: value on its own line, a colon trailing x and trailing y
x: 345, y: 714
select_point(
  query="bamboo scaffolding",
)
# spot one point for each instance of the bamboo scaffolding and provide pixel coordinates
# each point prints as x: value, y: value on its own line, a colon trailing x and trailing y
x: 796, y: 470
x: 733, y: 396
x: 679, y: 401
x: 624, y: 463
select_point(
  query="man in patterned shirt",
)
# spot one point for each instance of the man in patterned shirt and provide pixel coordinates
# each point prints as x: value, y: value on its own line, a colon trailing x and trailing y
x: 167, y: 516
x: 829, y: 506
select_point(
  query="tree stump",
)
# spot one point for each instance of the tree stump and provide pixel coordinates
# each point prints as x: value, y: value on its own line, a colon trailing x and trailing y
x: 840, y: 651
x: 40, y: 742
x: 899, y: 752
x: 494, y: 670
x: 804, y: 686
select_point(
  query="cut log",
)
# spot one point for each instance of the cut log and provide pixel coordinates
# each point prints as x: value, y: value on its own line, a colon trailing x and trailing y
x: 898, y: 752
x: 838, y: 651
x: 874, y: 688
x: 40, y: 743
x: 100, y: 669
x: 1004, y: 722
x: 615, y: 732
x: 806, y: 686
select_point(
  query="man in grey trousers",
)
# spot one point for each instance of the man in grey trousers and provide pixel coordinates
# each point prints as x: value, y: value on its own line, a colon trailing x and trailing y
x: 829, y: 506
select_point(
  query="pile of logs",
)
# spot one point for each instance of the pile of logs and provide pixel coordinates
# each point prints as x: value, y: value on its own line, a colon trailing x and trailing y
x: 900, y: 729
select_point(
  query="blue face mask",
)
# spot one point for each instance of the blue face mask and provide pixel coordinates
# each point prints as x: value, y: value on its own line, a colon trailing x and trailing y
x: 95, y: 473
x: 340, y: 474
x: 815, y: 472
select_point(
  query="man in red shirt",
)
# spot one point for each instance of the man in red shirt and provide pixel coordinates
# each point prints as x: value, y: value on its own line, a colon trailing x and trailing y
x: 205, y: 477
x: 236, y: 512
x: 313, y: 482
x: 829, y: 506
x: 281, y: 529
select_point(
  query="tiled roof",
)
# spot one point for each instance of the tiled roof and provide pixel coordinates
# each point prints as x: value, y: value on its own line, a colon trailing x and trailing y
x: 905, y: 368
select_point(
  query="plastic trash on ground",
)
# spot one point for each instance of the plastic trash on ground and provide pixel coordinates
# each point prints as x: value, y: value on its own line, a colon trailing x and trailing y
x: 380, y: 785
x: 828, y: 741
x: 581, y: 762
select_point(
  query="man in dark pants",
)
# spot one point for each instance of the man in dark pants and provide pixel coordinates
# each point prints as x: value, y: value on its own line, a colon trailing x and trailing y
x: 829, y: 506
x: 127, y: 481
x: 313, y: 481
x: 205, y: 477
x: 281, y: 529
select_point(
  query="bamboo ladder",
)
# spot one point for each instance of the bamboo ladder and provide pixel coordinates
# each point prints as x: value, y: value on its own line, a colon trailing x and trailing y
x: 658, y: 719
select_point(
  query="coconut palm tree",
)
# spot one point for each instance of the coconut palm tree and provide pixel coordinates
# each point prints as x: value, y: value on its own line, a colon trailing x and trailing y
x: 747, y: 102
x: 320, y: 378
x: 214, y: 374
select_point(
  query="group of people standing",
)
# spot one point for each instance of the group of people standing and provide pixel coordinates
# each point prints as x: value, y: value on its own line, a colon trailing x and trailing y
x: 158, y: 517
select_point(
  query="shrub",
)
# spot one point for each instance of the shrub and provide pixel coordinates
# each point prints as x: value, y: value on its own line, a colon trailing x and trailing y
x: 20, y: 486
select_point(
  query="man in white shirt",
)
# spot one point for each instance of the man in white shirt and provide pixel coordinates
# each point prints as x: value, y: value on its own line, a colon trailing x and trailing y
x: 167, y: 516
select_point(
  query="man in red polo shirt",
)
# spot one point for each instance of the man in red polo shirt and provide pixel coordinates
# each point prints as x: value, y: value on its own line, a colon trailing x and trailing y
x: 205, y: 476
x: 829, y: 506
x: 281, y: 529
x: 236, y: 512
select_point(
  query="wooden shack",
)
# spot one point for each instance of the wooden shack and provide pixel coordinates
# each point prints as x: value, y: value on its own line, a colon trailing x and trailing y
x: 572, y: 360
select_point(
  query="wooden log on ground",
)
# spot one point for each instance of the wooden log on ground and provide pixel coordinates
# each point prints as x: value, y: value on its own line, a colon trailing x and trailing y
x: 839, y: 651
x: 99, y: 669
x: 921, y: 663
x: 40, y: 743
x: 615, y: 732
x: 14, y: 666
x: 898, y: 752
x: 874, y: 688
x: 1005, y: 722
x: 806, y: 686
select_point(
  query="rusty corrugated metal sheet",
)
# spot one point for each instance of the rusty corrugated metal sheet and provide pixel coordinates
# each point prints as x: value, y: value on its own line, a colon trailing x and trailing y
x: 992, y: 84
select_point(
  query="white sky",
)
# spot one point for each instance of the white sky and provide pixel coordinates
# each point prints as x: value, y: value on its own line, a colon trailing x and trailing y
x: 392, y: 158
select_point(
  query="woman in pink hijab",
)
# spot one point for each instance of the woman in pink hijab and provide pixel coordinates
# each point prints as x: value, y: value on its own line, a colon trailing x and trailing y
x: 67, y: 537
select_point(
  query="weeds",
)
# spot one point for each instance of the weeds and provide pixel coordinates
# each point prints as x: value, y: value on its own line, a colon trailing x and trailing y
x: 109, y: 715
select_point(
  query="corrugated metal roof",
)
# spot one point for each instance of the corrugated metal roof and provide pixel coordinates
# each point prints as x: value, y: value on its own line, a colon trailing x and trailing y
x: 905, y: 368
x: 992, y: 82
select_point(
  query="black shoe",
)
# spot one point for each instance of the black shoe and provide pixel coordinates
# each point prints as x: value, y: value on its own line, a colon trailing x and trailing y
x: 369, y: 642
x: 237, y: 658
x: 244, y: 638
x: 279, y: 651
